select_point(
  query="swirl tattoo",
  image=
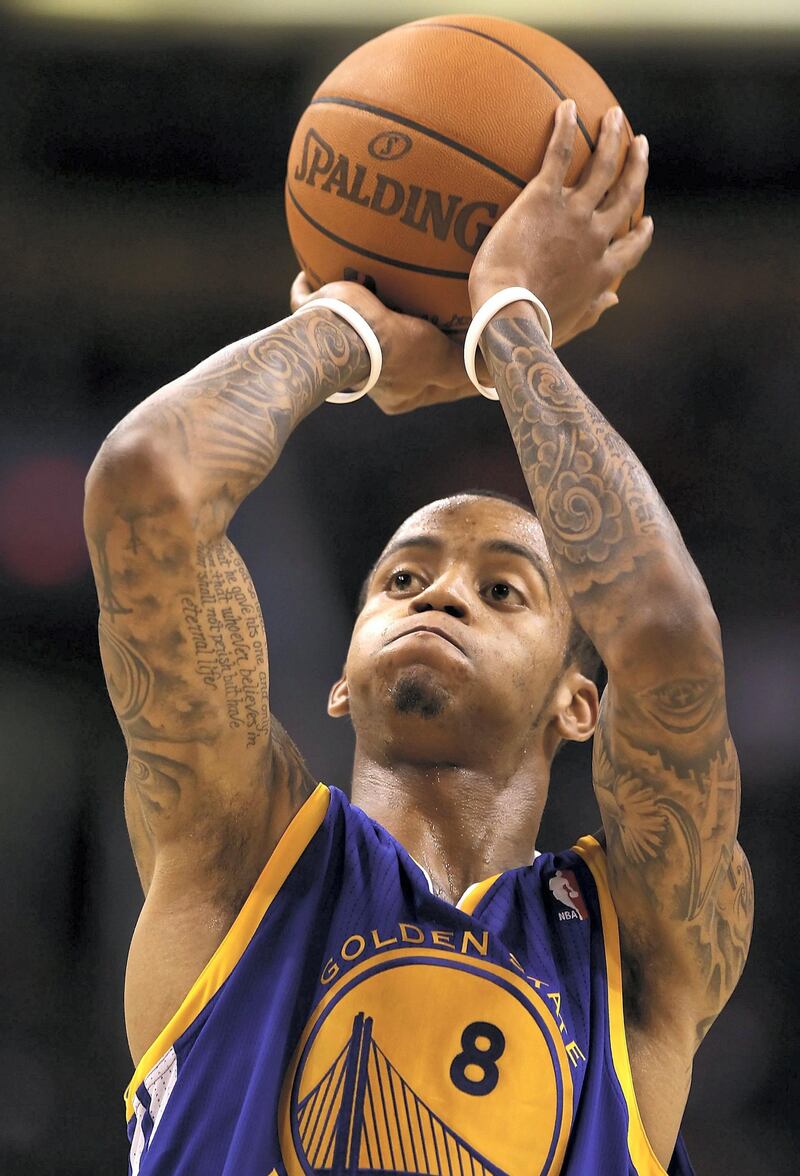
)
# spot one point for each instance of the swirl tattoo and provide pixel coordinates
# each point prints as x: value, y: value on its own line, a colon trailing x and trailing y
x: 603, y: 519
x: 230, y: 417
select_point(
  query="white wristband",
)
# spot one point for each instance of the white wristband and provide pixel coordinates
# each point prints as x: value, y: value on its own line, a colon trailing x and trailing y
x: 481, y: 320
x: 367, y: 335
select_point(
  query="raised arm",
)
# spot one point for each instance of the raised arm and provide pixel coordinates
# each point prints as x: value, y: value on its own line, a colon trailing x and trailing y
x: 665, y: 769
x: 181, y: 633
x: 212, y: 779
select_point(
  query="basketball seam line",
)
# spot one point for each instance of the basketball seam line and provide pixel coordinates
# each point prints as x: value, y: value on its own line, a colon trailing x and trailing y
x: 407, y: 265
x: 522, y: 57
x: 415, y: 126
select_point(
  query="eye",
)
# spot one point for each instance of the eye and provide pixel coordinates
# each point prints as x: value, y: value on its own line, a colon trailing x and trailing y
x: 502, y: 593
x: 402, y: 574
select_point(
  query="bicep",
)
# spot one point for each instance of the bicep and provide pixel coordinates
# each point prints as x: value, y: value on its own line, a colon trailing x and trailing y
x: 184, y: 653
x: 666, y: 776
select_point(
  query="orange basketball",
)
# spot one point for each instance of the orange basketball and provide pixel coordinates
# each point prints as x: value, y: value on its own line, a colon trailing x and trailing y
x: 415, y: 145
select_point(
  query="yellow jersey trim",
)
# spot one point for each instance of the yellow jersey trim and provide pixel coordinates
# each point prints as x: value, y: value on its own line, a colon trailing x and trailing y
x: 294, y: 840
x: 474, y: 893
x: 644, y: 1159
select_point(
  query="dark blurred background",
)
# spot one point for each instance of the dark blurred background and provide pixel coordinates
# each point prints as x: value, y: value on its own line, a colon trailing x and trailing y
x: 141, y: 172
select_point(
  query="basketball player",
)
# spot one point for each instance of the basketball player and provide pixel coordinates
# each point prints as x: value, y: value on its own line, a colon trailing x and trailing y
x: 403, y: 983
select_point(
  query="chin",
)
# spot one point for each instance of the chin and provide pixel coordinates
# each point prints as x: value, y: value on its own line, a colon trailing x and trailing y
x: 416, y: 692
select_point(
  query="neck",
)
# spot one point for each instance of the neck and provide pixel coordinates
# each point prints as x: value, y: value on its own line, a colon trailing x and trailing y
x: 460, y: 824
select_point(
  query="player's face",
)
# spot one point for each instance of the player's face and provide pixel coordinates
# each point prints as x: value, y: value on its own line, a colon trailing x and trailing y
x: 477, y: 570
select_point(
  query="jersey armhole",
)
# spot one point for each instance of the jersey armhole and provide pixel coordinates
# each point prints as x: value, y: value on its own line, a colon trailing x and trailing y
x: 643, y: 1157
x: 292, y: 844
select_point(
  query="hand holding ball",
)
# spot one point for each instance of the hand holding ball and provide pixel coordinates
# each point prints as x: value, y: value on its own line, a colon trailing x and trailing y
x: 417, y: 143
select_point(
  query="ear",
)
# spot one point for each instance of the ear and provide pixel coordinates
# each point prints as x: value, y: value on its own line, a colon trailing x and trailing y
x: 339, y: 699
x: 575, y: 708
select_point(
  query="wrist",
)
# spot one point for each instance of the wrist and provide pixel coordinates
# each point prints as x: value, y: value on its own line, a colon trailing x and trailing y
x: 344, y: 357
x: 511, y: 302
x: 521, y: 311
x: 483, y: 286
x: 528, y: 327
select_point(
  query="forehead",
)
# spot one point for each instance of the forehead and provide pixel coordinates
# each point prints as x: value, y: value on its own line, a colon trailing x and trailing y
x: 465, y: 522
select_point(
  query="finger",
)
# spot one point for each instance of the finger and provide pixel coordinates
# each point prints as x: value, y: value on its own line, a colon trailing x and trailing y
x: 453, y: 375
x: 601, y: 168
x: 394, y: 403
x: 600, y: 306
x: 626, y: 194
x: 301, y: 291
x: 626, y: 253
x: 558, y: 156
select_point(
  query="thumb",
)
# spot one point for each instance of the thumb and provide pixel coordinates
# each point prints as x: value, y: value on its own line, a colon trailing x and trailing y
x: 600, y: 306
x: 301, y: 291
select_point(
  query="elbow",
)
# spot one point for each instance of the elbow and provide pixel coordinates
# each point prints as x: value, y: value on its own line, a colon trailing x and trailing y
x: 132, y: 452
x: 129, y: 467
x: 666, y: 633
x: 125, y: 445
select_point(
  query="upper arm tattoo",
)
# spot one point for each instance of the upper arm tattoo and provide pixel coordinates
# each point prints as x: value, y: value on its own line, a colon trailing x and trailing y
x: 668, y: 786
x: 185, y: 658
x: 228, y: 419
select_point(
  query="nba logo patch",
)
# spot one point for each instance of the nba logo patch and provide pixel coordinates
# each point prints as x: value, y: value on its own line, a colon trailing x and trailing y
x: 565, y: 890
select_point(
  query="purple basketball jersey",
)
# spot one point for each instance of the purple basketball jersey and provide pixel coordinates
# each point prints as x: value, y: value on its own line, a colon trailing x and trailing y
x: 353, y: 1022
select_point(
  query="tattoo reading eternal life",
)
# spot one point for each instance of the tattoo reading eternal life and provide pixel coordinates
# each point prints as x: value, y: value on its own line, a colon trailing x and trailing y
x: 224, y: 626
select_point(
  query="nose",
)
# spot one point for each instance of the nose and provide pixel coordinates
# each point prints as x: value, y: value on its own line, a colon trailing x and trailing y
x: 447, y: 593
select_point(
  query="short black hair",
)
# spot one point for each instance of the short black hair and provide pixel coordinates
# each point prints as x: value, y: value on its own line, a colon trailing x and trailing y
x: 579, y: 649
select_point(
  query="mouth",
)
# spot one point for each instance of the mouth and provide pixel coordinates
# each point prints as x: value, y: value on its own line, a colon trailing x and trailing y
x: 431, y: 631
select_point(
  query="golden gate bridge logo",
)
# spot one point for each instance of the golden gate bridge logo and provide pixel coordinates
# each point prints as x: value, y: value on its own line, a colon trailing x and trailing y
x: 362, y: 1116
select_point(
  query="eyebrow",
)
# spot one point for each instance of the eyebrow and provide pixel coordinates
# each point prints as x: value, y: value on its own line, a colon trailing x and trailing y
x: 494, y: 546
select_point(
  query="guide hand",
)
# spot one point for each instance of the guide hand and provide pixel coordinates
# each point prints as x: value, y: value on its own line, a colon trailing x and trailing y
x: 421, y: 365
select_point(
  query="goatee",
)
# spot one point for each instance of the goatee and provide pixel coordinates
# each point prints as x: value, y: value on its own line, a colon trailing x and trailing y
x: 415, y: 694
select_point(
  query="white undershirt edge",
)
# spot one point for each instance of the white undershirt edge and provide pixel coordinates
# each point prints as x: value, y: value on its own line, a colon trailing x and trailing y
x: 430, y: 882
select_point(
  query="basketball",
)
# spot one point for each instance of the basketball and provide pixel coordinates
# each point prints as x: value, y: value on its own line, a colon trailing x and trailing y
x: 414, y: 146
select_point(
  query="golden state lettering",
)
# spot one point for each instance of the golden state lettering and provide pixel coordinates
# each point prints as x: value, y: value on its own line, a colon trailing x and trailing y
x: 574, y: 1051
x: 460, y: 942
x: 422, y: 209
x: 449, y: 940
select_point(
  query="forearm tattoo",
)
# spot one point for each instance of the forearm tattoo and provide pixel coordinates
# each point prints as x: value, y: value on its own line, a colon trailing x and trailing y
x: 606, y: 527
x: 226, y: 422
